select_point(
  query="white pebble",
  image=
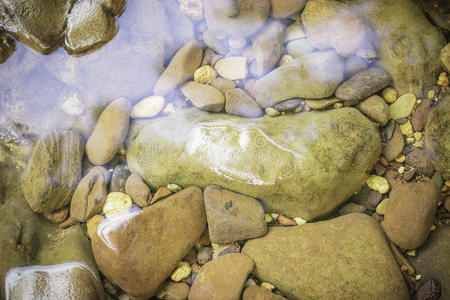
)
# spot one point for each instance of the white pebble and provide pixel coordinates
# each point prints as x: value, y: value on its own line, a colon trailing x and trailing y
x: 299, y: 221
x: 232, y: 68
x: 274, y: 216
x: 73, y: 106
x: 148, y: 107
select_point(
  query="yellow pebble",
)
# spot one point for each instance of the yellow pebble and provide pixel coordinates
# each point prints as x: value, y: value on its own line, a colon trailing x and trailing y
x: 401, y: 170
x: 175, y: 188
x: 401, y: 158
x: 443, y: 80
x: 182, y: 271
x: 116, y: 202
x: 411, y: 252
x: 204, y: 74
x: 433, y: 227
x: 268, y: 218
x: 406, y: 128
x: 381, y: 207
x: 417, y: 136
x: 92, y: 224
x: 389, y: 94
x: 272, y: 112
x: 268, y: 286
x: 378, y: 183
x: 285, y: 59
x: 447, y: 183
x: 338, y: 105
x: 410, y: 140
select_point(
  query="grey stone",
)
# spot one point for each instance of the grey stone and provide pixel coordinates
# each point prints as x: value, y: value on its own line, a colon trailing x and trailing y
x: 376, y: 109
x: 239, y: 103
x: 119, y: 178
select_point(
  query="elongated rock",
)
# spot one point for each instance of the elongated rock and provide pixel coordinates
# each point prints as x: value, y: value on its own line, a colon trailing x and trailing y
x: 343, y: 258
x: 282, y: 161
x: 316, y: 76
x: 138, y: 251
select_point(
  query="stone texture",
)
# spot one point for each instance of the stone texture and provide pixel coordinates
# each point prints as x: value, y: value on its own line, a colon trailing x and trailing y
x: 421, y: 161
x: 354, y: 65
x: 53, y: 171
x: 437, y: 137
x: 232, y: 216
x: 315, y: 77
x: 438, y: 10
x: 259, y: 293
x: 282, y: 9
x: 119, y: 178
x: 322, y: 103
x: 316, y: 258
x: 402, y: 107
x: 239, y: 103
x: 139, y: 192
x: 330, y: 23
x: 410, y: 213
x: 363, y: 84
x: 110, y: 132
x: 90, y: 194
x: 203, y: 96
x: 222, y: 278
x: 420, y: 116
x: 174, y: 291
x: 223, y: 84
x: 138, y: 251
x: 7, y: 47
x: 180, y: 69
x: 299, y: 48
x: 376, y: 109
x: 394, y: 146
x: 445, y: 57
x: 288, y: 105
x: 264, y: 158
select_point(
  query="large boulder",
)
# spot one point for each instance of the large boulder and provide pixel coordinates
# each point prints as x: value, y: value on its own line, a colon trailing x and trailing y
x: 343, y: 258
x: 285, y: 162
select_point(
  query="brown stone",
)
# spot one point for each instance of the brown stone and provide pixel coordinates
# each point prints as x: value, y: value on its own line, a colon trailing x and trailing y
x: 285, y: 221
x: 161, y: 193
x: 222, y: 278
x: 419, y: 160
x: 394, y: 146
x: 119, y: 178
x: 420, y: 116
x: 393, y: 177
x: 282, y: 9
x: 239, y: 103
x: 136, y: 188
x: 259, y: 293
x: 410, y: 213
x: 174, y: 291
x: 58, y: 215
x: 204, y: 97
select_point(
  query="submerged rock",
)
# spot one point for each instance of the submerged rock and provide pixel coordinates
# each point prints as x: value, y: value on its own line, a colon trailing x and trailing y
x: 316, y: 76
x: 282, y: 161
x: 316, y: 256
x: 53, y: 171
x: 138, y: 251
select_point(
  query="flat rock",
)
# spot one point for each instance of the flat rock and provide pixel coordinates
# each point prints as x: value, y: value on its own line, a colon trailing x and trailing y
x: 288, y: 105
x: 317, y: 76
x: 90, y: 194
x: 203, y: 96
x: 180, y: 69
x: 376, y: 109
x: 402, y: 107
x: 110, y: 132
x: 282, y: 9
x: 330, y: 23
x: 267, y: 46
x: 263, y: 158
x: 144, y: 237
x: 437, y: 137
x: 410, y: 213
x: 419, y: 159
x: 239, y: 103
x: 394, y: 146
x: 136, y: 188
x: 316, y: 258
x: 363, y: 84
x: 260, y: 293
x: 232, y: 216
x: 53, y: 171
x: 222, y: 278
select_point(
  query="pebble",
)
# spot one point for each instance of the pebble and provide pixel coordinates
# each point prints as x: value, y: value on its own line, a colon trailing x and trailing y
x: 109, y: 133
x: 58, y: 215
x: 338, y: 105
x: 420, y: 160
x: 420, y: 116
x: 401, y: 158
x: 92, y: 224
x: 288, y: 105
x: 268, y: 218
x: 119, y: 178
x: 410, y: 140
x: 285, y: 221
x: 375, y: 108
x: 300, y: 221
x: 174, y: 188
x: 205, y: 74
x: 138, y: 190
x: 394, y: 146
x: 285, y: 59
x: 268, y: 286
x: 401, y: 169
x: 232, y: 68
x: 240, y: 103
x: 204, y: 97
x: 403, y: 107
x: 381, y: 208
x: 182, y: 271
x: 378, y: 183
x: 204, y: 255
x: 417, y: 136
x: 161, y: 193
x: 148, y: 107
x: 409, y: 174
x: 180, y: 69
x: 431, y: 94
x: 389, y: 94
x: 322, y: 103
x: 294, y: 32
x: 272, y: 112
x: 443, y: 80
x: 406, y: 128
x: 115, y: 203
x: 374, y: 198
x: 389, y: 129
x: 173, y: 290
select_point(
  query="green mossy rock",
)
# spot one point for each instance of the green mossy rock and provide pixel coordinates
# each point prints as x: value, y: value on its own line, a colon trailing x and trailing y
x: 343, y: 258
x: 301, y: 165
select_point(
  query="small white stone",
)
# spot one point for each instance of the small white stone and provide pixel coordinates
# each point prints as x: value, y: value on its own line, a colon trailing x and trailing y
x: 232, y: 68
x: 418, y: 277
x: 268, y: 286
x: 250, y: 282
x: 148, y: 107
x: 174, y: 187
x: 274, y: 216
x: 73, y: 106
x: 124, y: 297
x: 299, y: 221
x: 401, y: 170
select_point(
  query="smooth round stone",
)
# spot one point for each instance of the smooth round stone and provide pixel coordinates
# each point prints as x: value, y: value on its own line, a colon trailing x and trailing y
x: 116, y: 202
x: 232, y: 68
x: 239, y: 103
x: 204, y: 74
x: 402, y: 107
x: 381, y: 207
x: 204, y: 97
x: 148, y: 107
x: 389, y: 94
x: 375, y: 108
x: 378, y: 183
x: 288, y: 105
x: 394, y: 146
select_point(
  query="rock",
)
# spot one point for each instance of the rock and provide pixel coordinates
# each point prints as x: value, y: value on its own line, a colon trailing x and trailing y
x: 204, y: 97
x: 174, y: 290
x: 420, y: 116
x: 161, y: 193
x: 69, y: 280
x: 311, y: 251
x: 282, y: 9
x: 330, y: 23
x: 299, y: 48
x: 239, y: 103
x: 143, y: 236
x: 232, y: 216
x: 89, y: 26
x: 394, y: 146
x: 419, y: 160
x: 218, y: 45
x: 445, y: 57
x: 354, y: 65
x: 271, y: 112
x: 90, y: 194
x: 58, y: 215
x: 294, y: 32
x: 226, y: 249
x: 7, y: 47
x: 375, y: 108
x: 378, y: 183
x: 232, y: 68
x: 109, y: 133
x: 438, y: 10
x: 267, y: 46
x: 223, y: 84
x: 182, y: 271
x: 92, y: 225
x: 374, y: 199
x: 403, y: 107
x: 39, y: 25
x: 288, y: 105
x: 437, y: 132
x: 53, y: 171
x: 421, y: 42
x: 119, y: 178
x: 259, y: 293
x: 321, y: 104
x: 138, y: 190
x: 205, y: 74
x: 222, y: 278
x: 350, y: 208
x: 410, y: 213
x: 255, y: 154
x: 363, y: 84
x: 321, y: 73
x: 204, y: 255
x: 116, y: 203
x: 429, y: 290
x: 389, y: 94
x: 433, y: 260
x: 230, y: 17
x: 180, y: 69
x: 148, y: 107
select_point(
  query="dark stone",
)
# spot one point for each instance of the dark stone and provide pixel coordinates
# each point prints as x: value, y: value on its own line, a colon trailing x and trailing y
x: 119, y: 178
x: 288, y: 105
x: 420, y: 116
x: 7, y: 47
x: 419, y: 160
